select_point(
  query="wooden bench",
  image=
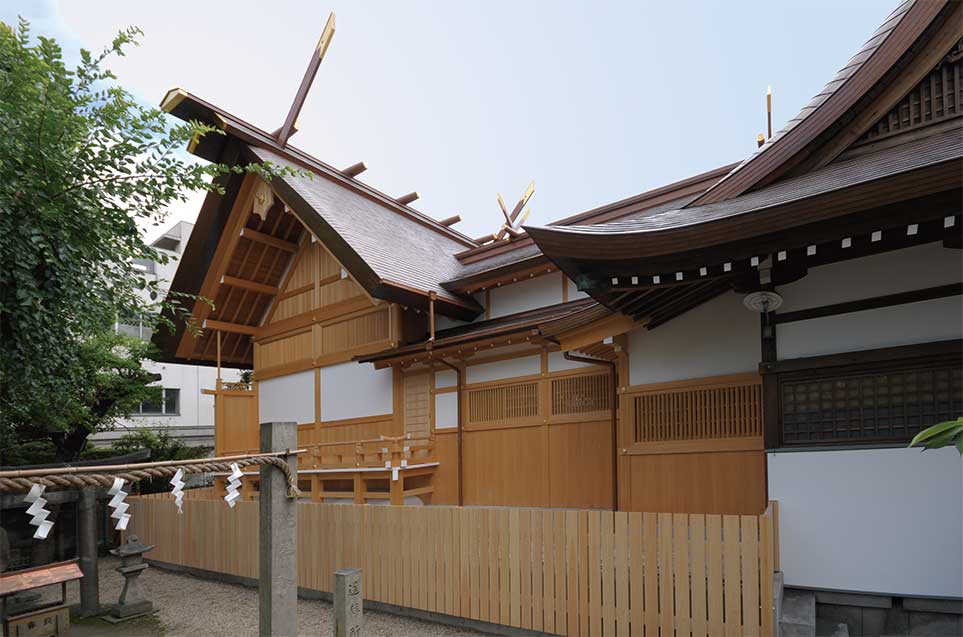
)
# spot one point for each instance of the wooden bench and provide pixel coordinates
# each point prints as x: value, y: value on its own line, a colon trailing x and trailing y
x: 46, y: 620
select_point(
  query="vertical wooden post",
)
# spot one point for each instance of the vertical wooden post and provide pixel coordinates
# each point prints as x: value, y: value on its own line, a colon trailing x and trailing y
x: 359, y: 486
x: 278, y: 585
x: 431, y: 315
x: 87, y: 548
x: 218, y: 359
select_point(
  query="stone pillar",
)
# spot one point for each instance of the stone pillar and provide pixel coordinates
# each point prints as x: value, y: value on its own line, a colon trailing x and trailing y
x: 348, y: 603
x: 278, y: 588
x: 87, y: 551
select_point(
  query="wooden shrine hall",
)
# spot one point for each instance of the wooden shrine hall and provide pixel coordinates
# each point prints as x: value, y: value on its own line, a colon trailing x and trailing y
x: 665, y: 352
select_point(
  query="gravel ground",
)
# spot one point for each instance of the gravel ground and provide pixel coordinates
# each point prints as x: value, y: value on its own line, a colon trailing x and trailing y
x: 197, y: 607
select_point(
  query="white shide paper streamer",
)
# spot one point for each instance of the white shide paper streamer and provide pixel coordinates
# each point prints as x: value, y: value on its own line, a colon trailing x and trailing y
x: 177, y: 490
x: 37, y: 510
x: 233, y: 484
x: 118, y: 505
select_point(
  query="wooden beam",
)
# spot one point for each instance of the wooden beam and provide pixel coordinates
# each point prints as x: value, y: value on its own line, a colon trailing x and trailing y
x: 888, y: 300
x: 234, y: 328
x: 450, y: 221
x: 267, y: 239
x: 486, y: 239
x: 326, y: 35
x: 254, y: 286
x: 411, y: 197
x: 355, y: 169
x: 219, y: 262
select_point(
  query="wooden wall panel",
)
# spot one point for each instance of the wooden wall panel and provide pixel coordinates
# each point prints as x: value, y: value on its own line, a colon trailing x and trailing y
x: 580, y: 465
x: 710, y: 482
x: 283, y: 350
x: 236, y: 429
x: 417, y: 403
x: 506, y: 467
x: 360, y: 330
x: 446, y: 476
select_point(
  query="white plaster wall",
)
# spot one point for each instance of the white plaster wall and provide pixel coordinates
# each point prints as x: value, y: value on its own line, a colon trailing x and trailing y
x: 871, y: 520
x: 354, y: 390
x: 500, y: 370
x: 287, y: 398
x: 889, y: 273
x: 558, y: 363
x: 719, y: 337
x: 573, y: 291
x: 446, y: 410
x: 923, y: 322
x: 525, y: 295
x: 446, y: 378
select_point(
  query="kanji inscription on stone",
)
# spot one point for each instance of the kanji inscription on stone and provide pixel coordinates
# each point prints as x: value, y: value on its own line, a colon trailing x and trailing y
x: 348, y: 603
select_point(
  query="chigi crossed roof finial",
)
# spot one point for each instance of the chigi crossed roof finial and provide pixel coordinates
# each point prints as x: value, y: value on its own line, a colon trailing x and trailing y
x: 513, y: 219
x: 290, y: 126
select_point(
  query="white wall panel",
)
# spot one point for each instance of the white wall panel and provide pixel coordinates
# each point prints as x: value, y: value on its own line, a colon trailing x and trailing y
x: 287, y: 398
x: 446, y: 410
x: 500, y: 370
x: 525, y: 295
x: 558, y: 363
x: 933, y: 320
x: 446, y: 378
x: 871, y: 520
x: 355, y: 390
x: 716, y: 338
x: 888, y: 273
x: 573, y: 291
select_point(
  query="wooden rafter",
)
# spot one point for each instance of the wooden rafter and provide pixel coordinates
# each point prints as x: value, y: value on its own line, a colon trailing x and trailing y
x: 254, y: 286
x: 262, y: 237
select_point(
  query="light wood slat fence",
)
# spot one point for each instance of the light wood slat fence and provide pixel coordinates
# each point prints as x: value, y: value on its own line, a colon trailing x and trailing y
x: 559, y: 571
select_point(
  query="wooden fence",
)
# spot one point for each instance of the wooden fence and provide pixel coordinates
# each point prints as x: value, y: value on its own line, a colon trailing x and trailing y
x: 559, y: 571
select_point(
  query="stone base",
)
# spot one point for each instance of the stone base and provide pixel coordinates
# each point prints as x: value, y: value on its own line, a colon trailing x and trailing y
x: 117, y: 620
x: 129, y: 610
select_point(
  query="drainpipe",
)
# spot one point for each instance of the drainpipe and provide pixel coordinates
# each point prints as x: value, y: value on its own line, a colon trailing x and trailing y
x: 458, y: 385
x: 613, y: 397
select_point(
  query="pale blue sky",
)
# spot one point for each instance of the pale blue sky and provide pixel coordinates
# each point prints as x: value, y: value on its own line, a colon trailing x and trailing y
x: 596, y: 101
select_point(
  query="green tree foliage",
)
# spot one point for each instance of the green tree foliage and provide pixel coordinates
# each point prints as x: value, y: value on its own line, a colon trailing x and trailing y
x: 82, y: 165
x: 162, y: 446
x: 944, y: 434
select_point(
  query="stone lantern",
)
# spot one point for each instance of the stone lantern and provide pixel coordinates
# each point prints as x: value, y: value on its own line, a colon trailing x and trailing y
x: 132, y: 563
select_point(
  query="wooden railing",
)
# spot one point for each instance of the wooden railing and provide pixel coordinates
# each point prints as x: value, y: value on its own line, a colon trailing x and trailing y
x: 701, y: 409
x: 371, y: 452
x: 559, y: 571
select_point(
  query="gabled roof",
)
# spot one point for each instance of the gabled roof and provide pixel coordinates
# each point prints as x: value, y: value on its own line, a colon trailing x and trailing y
x: 883, y: 56
x: 386, y: 252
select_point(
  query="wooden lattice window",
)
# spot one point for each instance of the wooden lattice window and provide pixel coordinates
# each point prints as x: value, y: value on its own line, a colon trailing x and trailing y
x: 871, y: 406
x: 712, y: 411
x: 503, y: 403
x: 580, y: 394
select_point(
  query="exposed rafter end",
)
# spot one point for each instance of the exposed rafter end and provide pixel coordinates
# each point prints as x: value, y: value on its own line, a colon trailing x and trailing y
x: 485, y: 239
x: 411, y: 197
x: 355, y: 169
x: 450, y: 221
